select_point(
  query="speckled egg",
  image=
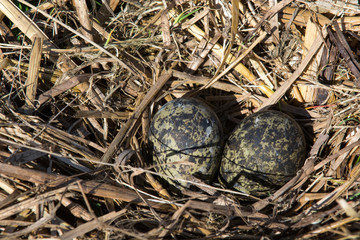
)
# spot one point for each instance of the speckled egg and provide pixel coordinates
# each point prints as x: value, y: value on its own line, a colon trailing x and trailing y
x: 185, y: 140
x: 263, y: 152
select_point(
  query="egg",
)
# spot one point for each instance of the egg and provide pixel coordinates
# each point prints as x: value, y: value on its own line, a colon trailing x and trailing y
x: 185, y: 138
x: 262, y: 153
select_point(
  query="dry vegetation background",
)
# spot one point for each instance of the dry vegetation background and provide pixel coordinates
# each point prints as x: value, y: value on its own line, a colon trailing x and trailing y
x: 80, y: 81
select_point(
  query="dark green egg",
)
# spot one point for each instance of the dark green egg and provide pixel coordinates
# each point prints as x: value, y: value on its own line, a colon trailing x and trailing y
x: 263, y: 153
x: 185, y: 139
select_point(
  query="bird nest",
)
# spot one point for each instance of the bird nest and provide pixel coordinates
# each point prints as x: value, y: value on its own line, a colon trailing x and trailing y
x: 81, y: 80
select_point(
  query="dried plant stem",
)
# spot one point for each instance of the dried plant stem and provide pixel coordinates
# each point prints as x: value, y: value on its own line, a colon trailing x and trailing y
x: 234, y: 63
x: 89, y: 226
x: 33, y: 73
x: 218, y: 50
x: 80, y: 35
x: 23, y: 22
x: 120, y: 136
x: 304, y: 63
x: 103, y: 190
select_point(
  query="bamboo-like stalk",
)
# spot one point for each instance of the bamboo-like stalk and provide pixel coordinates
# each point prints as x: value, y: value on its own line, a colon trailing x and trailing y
x: 33, y: 73
x: 23, y: 22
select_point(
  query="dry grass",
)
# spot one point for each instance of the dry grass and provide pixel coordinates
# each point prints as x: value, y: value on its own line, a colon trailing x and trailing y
x: 80, y: 81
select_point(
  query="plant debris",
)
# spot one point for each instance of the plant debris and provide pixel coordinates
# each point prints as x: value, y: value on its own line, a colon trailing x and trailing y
x: 81, y: 81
